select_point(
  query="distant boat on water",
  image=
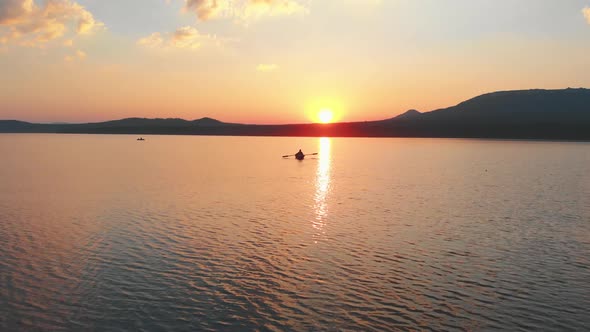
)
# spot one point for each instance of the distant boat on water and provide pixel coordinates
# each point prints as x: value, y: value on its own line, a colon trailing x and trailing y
x: 300, y: 155
x: 141, y: 139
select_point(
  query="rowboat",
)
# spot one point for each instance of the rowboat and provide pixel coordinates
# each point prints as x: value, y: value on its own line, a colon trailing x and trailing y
x: 300, y: 155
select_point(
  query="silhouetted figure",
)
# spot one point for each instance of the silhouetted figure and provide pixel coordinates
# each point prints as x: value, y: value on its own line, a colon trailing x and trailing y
x: 299, y: 155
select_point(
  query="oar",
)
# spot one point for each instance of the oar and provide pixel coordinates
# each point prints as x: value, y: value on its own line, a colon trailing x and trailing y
x: 289, y: 155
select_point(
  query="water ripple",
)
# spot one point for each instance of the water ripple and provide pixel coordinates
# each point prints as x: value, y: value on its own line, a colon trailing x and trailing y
x: 386, y: 244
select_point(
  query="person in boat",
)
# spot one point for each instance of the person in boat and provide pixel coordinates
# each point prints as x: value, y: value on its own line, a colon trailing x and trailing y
x: 299, y: 155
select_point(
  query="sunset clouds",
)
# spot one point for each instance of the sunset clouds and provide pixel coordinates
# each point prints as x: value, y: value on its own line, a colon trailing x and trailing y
x: 242, y: 9
x: 207, y: 9
x: 184, y: 38
x: 586, y: 12
x: 259, y: 8
x: 25, y: 23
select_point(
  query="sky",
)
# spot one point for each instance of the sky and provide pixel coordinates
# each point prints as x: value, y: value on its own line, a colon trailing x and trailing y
x: 279, y: 61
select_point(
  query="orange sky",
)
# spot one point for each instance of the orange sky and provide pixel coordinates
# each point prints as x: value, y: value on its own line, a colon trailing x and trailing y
x: 279, y: 61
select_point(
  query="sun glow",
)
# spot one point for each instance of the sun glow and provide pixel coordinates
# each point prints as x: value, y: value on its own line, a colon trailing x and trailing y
x: 325, y: 115
x: 325, y: 110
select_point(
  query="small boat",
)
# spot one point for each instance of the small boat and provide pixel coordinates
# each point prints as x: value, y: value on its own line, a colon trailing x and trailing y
x: 141, y: 139
x: 300, y: 155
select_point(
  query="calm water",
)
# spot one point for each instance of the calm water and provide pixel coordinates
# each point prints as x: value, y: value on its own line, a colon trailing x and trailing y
x: 221, y: 233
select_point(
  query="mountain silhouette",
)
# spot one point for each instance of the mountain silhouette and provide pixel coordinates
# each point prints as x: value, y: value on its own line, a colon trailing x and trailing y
x: 411, y: 114
x: 524, y: 114
x: 567, y: 106
x: 543, y: 114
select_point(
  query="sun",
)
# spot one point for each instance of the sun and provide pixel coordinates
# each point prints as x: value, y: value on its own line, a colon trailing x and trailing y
x: 325, y: 110
x: 326, y: 115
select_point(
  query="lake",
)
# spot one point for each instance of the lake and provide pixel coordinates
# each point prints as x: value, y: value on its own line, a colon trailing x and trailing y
x: 103, y: 232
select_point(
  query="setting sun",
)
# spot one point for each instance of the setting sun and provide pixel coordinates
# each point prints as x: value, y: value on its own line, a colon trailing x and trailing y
x: 326, y: 115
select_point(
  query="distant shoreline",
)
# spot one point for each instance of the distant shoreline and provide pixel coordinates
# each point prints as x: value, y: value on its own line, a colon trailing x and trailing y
x: 555, y: 140
x: 552, y: 115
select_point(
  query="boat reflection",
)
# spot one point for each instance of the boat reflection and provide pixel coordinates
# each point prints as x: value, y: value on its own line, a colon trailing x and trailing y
x: 322, y: 184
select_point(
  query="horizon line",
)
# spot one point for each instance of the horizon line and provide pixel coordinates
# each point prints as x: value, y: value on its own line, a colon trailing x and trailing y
x: 291, y: 123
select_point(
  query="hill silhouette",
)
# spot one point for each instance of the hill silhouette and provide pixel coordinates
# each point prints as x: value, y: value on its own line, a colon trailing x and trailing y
x: 525, y: 114
x: 518, y: 107
x: 543, y: 114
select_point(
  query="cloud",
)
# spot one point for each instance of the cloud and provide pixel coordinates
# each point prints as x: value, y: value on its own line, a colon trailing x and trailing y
x: 153, y: 40
x: 586, y: 12
x: 207, y: 9
x: 259, y: 8
x: 267, y: 67
x: 185, y: 38
x: 27, y: 24
x: 11, y: 10
x: 242, y: 10
x: 79, y: 55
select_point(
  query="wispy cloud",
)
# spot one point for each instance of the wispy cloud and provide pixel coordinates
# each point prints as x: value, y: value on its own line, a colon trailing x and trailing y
x: 153, y: 40
x: 208, y: 9
x: 242, y: 10
x: 586, y: 12
x: 79, y: 55
x: 25, y: 23
x: 185, y: 38
x: 267, y: 67
x: 259, y: 8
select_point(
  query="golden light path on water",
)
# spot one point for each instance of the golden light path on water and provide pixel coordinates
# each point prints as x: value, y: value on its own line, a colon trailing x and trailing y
x: 322, y: 184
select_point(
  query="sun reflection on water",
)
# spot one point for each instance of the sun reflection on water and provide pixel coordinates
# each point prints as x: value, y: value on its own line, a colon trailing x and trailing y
x: 322, y: 185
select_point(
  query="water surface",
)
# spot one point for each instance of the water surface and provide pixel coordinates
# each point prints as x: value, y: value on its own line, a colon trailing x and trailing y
x: 102, y: 232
